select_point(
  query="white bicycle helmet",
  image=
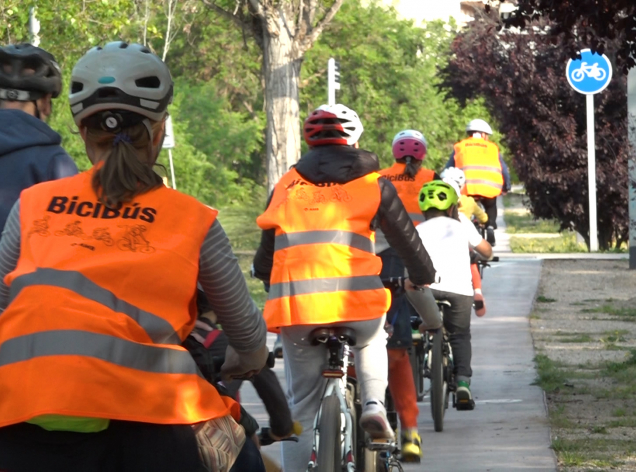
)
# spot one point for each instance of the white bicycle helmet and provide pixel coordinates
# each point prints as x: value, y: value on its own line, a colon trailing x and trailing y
x: 454, y: 174
x: 478, y: 126
x: 120, y: 76
x: 336, y: 124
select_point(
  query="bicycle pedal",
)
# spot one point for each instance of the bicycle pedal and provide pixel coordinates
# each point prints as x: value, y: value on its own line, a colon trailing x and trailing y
x: 465, y: 405
x: 410, y: 459
x: 380, y: 444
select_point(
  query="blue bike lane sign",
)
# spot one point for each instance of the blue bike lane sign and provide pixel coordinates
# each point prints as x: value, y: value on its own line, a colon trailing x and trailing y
x: 590, y: 74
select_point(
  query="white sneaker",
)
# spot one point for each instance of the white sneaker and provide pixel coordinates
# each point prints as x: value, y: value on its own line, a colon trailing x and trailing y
x: 374, y: 421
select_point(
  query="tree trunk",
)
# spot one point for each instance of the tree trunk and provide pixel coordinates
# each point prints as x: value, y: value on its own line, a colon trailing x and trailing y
x: 281, y: 71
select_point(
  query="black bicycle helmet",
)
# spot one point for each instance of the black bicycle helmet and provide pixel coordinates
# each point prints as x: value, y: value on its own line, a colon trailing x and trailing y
x: 28, y: 73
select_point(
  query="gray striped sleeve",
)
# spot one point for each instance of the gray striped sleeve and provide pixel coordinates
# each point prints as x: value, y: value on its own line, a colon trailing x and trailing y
x: 224, y: 285
x: 9, y: 251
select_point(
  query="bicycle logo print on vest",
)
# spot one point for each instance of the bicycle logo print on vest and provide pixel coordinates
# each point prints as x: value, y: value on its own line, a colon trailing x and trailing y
x: 130, y: 238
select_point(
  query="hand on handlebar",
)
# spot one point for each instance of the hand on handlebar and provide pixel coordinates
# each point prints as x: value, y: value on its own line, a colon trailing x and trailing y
x: 408, y: 285
x: 243, y: 364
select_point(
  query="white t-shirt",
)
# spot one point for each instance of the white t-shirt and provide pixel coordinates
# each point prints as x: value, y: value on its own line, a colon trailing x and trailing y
x: 447, y: 241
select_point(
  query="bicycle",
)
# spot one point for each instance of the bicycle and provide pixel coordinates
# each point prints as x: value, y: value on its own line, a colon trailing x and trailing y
x: 344, y: 447
x: 432, y: 359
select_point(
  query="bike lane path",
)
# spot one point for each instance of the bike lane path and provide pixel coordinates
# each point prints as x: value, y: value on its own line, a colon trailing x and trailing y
x: 508, y: 430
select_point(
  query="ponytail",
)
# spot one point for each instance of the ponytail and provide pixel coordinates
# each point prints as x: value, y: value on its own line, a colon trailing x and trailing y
x: 412, y: 165
x: 128, y: 169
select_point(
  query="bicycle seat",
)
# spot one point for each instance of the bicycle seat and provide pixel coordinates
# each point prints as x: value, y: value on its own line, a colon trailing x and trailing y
x: 322, y: 335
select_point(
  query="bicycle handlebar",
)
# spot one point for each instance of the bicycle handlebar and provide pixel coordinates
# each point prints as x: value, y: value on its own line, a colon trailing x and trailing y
x: 218, y: 361
x: 266, y: 439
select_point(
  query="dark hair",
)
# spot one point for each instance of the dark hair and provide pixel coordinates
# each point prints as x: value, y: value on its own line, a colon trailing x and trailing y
x: 412, y: 165
x: 128, y: 170
x: 434, y: 213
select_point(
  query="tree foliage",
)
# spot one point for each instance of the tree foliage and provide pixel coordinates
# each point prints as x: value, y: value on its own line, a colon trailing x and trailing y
x: 522, y: 78
x: 586, y: 23
x: 389, y: 76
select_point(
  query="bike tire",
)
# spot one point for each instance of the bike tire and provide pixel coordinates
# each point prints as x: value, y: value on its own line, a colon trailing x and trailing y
x: 350, y: 399
x: 417, y: 363
x: 329, y: 451
x: 438, y: 383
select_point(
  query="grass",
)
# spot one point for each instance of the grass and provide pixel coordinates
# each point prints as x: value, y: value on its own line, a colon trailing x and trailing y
x: 565, y: 243
x: 622, y: 313
x: 590, y: 453
x: 527, y: 224
x: 581, y: 338
x: 543, y: 299
x: 550, y: 376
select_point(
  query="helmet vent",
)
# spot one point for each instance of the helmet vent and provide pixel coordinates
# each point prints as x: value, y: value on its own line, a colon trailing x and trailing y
x: 145, y: 50
x: 77, y: 87
x: 107, y: 92
x: 123, y: 45
x: 148, y: 82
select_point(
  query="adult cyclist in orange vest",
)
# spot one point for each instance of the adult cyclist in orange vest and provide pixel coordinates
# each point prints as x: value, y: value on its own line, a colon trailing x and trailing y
x: 408, y: 176
x: 487, y: 174
x: 91, y: 320
x: 317, y: 251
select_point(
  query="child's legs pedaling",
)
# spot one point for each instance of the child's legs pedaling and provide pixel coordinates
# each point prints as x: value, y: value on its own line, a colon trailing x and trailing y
x: 457, y: 323
x: 306, y: 385
x: 402, y: 387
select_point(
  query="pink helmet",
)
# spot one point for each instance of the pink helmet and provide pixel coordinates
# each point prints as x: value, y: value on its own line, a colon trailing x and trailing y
x: 409, y: 143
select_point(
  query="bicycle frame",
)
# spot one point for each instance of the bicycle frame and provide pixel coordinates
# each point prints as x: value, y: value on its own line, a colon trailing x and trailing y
x: 337, y: 384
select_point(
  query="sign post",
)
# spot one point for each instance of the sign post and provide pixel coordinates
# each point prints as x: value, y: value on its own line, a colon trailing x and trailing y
x: 631, y: 127
x: 590, y: 75
x: 333, y: 80
x: 34, y: 27
x: 168, y: 143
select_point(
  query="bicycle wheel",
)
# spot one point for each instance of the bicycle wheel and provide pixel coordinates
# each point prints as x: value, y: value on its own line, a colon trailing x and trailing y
x: 438, y: 383
x: 417, y: 363
x: 329, y: 452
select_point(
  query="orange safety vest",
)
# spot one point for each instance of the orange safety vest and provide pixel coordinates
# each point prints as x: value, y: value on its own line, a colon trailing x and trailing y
x: 408, y: 188
x: 100, y: 302
x: 325, y: 268
x: 479, y: 159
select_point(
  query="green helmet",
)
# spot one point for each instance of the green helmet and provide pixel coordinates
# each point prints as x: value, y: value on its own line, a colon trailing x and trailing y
x: 437, y: 194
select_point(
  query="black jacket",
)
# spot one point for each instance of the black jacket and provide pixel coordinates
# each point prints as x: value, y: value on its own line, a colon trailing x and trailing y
x: 342, y: 164
x: 30, y: 153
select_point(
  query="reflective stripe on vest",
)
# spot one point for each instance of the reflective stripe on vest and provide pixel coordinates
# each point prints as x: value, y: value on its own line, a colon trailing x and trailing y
x: 346, y: 238
x: 117, y: 351
x: 158, y: 329
x: 334, y: 284
x: 484, y: 182
x: 417, y: 218
x: 486, y: 168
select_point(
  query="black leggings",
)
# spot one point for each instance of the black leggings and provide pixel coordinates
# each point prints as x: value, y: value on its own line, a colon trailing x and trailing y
x: 123, y: 447
x: 490, y: 207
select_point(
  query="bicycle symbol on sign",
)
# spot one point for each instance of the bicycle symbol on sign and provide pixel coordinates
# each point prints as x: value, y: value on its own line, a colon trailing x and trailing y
x: 593, y: 71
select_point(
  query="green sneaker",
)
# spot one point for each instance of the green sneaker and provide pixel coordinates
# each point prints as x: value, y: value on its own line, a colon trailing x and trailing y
x: 463, y: 398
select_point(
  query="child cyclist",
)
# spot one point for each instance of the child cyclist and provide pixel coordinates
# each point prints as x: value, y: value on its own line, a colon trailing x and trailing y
x: 469, y: 208
x: 447, y: 241
x: 408, y: 176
